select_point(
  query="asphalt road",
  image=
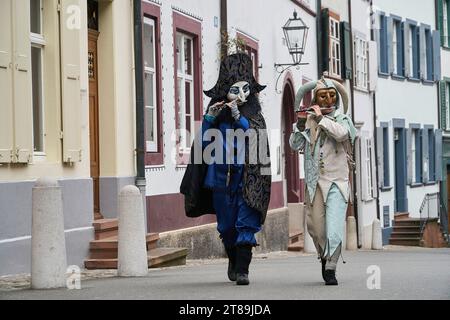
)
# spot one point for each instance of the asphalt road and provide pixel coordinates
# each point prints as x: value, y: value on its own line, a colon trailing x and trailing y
x: 393, y: 273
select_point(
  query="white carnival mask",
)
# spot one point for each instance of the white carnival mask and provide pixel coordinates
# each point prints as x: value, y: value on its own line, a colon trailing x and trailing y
x: 239, y: 92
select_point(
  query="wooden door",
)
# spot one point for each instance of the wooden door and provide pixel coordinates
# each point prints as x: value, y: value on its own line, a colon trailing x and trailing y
x: 93, y: 119
x: 292, y: 169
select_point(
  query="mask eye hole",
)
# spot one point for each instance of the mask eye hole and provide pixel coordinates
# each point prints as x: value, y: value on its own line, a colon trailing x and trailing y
x: 246, y: 88
x: 234, y: 90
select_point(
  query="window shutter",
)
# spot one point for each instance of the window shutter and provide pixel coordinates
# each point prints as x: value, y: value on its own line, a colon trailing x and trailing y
x: 406, y: 49
x: 440, y: 12
x: 390, y: 52
x: 6, y: 118
x: 373, y: 164
x: 423, y: 53
x: 70, y: 79
x: 409, y: 155
x: 364, y: 173
x: 443, y: 104
x: 23, y: 111
x: 401, y: 49
x: 346, y: 43
x: 380, y: 156
x: 436, y: 55
x: 373, y: 66
x: 325, y: 39
x: 425, y: 156
x: 438, y: 154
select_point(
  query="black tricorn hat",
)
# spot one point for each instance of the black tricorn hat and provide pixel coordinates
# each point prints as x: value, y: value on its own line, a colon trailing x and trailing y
x: 235, y: 67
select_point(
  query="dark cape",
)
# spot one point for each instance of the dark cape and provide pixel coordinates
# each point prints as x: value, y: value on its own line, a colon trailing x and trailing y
x: 256, y: 186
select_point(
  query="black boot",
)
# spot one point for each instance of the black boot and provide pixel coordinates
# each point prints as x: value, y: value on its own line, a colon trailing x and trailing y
x: 323, y: 261
x: 330, y: 278
x: 243, y: 259
x: 231, y: 253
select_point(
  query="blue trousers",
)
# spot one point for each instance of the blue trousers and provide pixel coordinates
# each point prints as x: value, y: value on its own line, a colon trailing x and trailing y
x: 237, y: 223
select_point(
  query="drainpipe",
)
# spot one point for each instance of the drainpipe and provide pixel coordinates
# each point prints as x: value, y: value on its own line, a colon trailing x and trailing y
x: 374, y: 106
x: 139, y: 83
x: 352, y: 95
x: 223, y: 27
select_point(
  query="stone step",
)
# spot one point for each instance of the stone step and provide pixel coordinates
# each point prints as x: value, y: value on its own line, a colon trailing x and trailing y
x: 108, y: 248
x: 408, y: 222
x: 406, y: 228
x: 296, y: 246
x: 401, y: 215
x: 105, y: 228
x: 157, y: 258
x: 295, y: 236
x: 405, y: 241
x: 409, y: 234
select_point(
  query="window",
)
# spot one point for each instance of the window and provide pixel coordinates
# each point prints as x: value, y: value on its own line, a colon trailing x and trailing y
x: 386, y: 182
x: 37, y: 47
x: 151, y: 126
x: 188, y: 82
x: 151, y: 59
x: 185, y: 89
x: 335, y: 48
x: 414, y: 51
x: 361, y: 62
x: 445, y: 22
x: 397, y: 47
x: 251, y: 48
x: 428, y: 55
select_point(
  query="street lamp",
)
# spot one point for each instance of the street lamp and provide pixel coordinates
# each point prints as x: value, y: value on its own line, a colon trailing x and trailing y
x: 295, y: 32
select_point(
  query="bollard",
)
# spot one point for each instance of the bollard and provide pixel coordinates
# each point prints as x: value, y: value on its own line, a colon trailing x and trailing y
x: 48, y: 245
x: 377, y: 241
x: 352, y: 241
x: 132, y: 247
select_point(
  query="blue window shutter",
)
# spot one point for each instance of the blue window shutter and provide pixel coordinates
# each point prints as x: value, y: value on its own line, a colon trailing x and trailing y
x: 390, y: 52
x: 443, y: 106
x: 430, y: 57
x: 416, y: 52
x: 425, y: 156
x: 438, y: 154
x: 401, y: 50
x: 418, y: 156
x: 406, y: 50
x: 409, y: 155
x: 436, y: 56
x: 380, y: 156
x: 422, y: 52
x: 431, y: 155
x: 346, y: 57
x: 383, y: 44
x: 386, y: 177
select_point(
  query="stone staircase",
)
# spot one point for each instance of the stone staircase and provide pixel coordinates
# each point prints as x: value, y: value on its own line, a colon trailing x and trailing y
x: 296, y: 241
x: 407, y: 232
x: 104, y: 249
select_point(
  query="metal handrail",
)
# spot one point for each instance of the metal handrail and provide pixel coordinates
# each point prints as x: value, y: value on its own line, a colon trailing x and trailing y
x: 441, y: 213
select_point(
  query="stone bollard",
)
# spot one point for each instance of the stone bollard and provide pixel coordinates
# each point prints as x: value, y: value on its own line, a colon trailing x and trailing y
x: 48, y: 245
x: 352, y: 241
x: 132, y: 247
x: 377, y: 241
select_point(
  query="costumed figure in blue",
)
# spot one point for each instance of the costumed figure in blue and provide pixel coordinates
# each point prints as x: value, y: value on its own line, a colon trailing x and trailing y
x: 325, y: 136
x: 229, y: 183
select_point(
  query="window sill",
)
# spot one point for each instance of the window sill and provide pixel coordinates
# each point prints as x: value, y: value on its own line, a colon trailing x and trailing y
x: 445, y: 48
x: 383, y: 75
x: 398, y: 77
x: 416, y: 185
x: 428, y: 82
x: 388, y: 188
x: 413, y: 80
x: 360, y: 89
x: 430, y: 183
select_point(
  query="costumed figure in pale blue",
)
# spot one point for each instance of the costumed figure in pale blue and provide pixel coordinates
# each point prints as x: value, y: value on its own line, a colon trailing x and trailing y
x: 325, y: 135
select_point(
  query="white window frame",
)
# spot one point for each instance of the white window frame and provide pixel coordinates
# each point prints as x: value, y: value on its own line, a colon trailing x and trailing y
x: 186, y: 138
x: 445, y: 22
x: 152, y: 146
x: 335, y: 49
x: 37, y: 40
x: 361, y: 61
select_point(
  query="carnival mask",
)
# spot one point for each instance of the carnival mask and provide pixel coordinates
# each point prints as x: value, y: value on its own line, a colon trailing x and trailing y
x: 326, y: 98
x: 239, y: 92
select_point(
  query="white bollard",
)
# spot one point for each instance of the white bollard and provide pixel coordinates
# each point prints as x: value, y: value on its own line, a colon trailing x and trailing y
x: 377, y: 241
x: 48, y: 245
x: 352, y: 241
x: 132, y: 248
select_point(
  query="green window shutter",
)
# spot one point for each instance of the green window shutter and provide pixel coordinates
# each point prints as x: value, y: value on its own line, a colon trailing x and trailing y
x: 6, y: 118
x: 442, y: 100
x: 440, y: 11
x: 346, y: 43
x: 325, y: 40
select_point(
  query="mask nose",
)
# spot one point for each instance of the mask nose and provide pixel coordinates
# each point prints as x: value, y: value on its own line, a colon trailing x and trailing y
x: 241, y: 95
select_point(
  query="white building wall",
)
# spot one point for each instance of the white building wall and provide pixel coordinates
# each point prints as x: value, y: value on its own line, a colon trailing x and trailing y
x: 411, y: 101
